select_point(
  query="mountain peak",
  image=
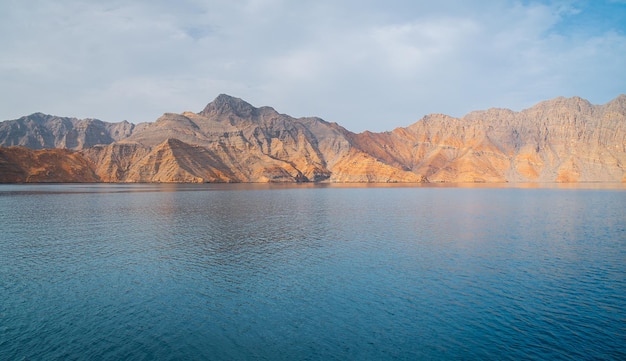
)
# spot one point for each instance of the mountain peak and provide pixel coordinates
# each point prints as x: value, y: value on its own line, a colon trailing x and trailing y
x: 225, y: 98
x: 226, y: 104
x: 617, y: 104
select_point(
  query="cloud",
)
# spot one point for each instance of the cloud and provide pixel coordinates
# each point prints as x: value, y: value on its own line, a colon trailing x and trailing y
x: 365, y: 65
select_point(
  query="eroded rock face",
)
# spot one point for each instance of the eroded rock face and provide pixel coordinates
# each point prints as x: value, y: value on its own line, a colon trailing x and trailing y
x: 561, y: 140
x: 24, y: 165
x: 112, y: 162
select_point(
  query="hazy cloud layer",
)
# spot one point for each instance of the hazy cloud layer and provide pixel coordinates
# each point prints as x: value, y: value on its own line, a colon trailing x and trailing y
x: 364, y: 64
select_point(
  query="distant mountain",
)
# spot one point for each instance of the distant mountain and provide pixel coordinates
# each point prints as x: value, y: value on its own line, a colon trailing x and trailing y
x: 41, y: 131
x: 561, y: 140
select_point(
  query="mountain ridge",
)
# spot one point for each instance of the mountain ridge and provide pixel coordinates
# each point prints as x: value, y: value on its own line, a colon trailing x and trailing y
x: 229, y: 140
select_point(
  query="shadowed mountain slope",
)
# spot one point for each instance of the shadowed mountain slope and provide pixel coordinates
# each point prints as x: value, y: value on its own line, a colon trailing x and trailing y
x: 24, y: 165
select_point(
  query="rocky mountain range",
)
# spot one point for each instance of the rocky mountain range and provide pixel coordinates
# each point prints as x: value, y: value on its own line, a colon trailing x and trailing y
x: 560, y: 140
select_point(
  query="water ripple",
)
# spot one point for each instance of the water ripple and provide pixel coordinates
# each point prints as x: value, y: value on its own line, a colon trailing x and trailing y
x: 144, y: 272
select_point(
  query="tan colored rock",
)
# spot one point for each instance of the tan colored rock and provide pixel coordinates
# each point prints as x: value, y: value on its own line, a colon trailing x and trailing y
x: 112, y: 162
x: 561, y: 140
x: 360, y: 167
x: 528, y: 164
x: 564, y: 140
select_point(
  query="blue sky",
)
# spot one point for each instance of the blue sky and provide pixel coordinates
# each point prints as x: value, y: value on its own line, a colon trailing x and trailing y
x: 366, y: 64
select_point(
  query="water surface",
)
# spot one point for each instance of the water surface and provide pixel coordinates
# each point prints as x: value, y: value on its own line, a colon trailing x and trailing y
x: 266, y: 272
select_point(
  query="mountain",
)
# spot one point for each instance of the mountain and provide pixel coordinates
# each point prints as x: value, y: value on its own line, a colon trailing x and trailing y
x: 41, y: 131
x: 24, y: 165
x: 232, y: 141
x: 560, y: 140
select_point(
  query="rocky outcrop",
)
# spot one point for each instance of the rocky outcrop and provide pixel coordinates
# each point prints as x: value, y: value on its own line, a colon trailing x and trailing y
x: 24, y: 165
x: 561, y: 140
x: 112, y: 162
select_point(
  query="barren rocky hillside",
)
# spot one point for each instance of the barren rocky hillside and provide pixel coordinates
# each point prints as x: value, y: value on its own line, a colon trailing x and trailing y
x: 561, y: 140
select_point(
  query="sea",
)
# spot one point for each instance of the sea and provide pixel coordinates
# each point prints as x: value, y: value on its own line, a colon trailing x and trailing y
x: 312, y: 272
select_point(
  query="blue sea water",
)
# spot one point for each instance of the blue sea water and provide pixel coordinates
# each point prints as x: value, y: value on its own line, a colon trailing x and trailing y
x: 271, y: 272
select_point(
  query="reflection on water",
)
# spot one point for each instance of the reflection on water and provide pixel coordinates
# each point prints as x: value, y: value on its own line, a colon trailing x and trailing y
x: 53, y: 188
x: 272, y: 271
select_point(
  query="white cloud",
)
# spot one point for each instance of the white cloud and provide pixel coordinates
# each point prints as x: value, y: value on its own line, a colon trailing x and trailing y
x: 363, y: 64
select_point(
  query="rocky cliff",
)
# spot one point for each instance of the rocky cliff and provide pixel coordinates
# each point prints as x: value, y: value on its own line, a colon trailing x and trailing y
x: 561, y: 140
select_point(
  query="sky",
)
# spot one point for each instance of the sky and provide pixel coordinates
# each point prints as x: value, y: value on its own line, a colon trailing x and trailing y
x: 367, y: 65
